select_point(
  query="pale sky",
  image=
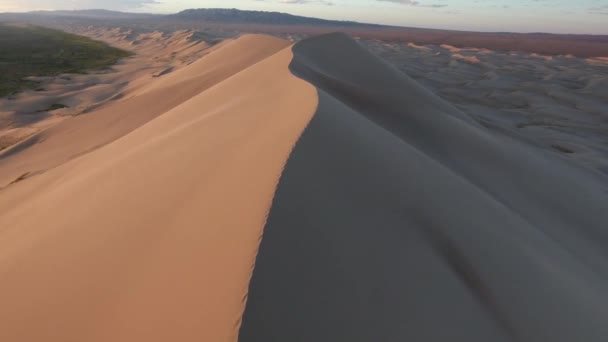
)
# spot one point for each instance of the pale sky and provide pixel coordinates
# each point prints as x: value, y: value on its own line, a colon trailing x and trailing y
x: 560, y: 16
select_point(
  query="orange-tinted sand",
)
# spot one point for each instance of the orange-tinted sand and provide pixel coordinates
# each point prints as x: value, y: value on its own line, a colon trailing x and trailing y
x: 153, y: 236
x: 371, y: 208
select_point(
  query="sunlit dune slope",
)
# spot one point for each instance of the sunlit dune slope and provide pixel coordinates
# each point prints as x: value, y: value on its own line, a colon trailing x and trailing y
x: 153, y: 236
x: 87, y: 132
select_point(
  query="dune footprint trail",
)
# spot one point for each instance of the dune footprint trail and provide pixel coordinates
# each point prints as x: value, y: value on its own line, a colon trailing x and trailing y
x: 312, y: 193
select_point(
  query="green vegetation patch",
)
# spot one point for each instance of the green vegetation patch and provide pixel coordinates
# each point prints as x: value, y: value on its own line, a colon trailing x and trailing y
x: 38, y: 51
x: 54, y: 106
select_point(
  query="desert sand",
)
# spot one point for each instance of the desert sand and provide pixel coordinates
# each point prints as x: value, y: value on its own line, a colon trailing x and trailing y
x: 310, y: 192
x: 153, y: 236
x: 145, y: 99
x: 155, y: 53
x: 399, y: 219
x: 558, y: 103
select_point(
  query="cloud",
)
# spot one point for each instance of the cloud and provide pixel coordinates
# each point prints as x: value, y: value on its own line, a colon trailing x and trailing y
x: 28, y: 5
x: 414, y: 3
x: 300, y: 2
x: 598, y: 10
x: 403, y: 2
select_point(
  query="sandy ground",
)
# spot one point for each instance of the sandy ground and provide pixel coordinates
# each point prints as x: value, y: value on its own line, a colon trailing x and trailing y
x: 312, y: 192
x: 156, y: 54
x: 399, y: 219
x: 558, y: 103
x: 153, y: 236
x: 118, y: 115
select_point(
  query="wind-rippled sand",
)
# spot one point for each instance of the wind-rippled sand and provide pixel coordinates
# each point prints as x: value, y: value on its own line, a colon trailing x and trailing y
x: 555, y: 102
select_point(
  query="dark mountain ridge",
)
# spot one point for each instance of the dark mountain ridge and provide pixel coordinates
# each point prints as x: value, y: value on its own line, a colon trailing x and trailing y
x: 232, y: 22
x: 233, y: 15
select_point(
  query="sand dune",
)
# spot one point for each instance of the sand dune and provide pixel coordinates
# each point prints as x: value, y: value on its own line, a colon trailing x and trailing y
x: 153, y: 236
x: 397, y: 220
x: 26, y: 114
x: 557, y: 103
x: 313, y: 192
x: 56, y: 145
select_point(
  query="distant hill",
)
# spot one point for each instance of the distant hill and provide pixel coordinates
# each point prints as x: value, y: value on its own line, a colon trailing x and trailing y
x: 224, y: 15
x: 227, y: 22
x: 39, y: 51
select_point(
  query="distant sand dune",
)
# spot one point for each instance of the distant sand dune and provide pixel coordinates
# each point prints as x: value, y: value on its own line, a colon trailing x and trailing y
x: 28, y: 112
x: 542, y: 100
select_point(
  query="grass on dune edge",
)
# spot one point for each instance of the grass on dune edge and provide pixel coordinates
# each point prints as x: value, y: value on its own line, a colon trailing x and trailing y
x: 37, y: 51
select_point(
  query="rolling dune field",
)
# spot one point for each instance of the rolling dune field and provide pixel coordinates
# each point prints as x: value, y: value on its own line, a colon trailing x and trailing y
x: 257, y: 189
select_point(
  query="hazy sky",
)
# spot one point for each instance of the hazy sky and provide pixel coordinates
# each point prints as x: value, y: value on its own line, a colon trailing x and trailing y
x: 564, y: 16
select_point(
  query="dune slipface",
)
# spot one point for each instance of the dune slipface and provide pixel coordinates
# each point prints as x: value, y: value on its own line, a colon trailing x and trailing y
x: 396, y: 219
x: 305, y: 193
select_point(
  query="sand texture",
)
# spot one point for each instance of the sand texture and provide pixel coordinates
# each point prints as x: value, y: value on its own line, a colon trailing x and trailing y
x: 264, y: 191
x: 155, y: 54
x: 558, y: 103
x: 153, y: 236
x: 398, y: 220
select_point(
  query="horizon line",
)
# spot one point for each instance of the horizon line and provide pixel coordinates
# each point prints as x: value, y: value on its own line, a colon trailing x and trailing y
x: 298, y: 15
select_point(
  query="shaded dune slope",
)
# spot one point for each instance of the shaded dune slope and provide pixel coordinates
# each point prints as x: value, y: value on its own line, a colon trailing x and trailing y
x: 398, y: 219
x: 152, y: 237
